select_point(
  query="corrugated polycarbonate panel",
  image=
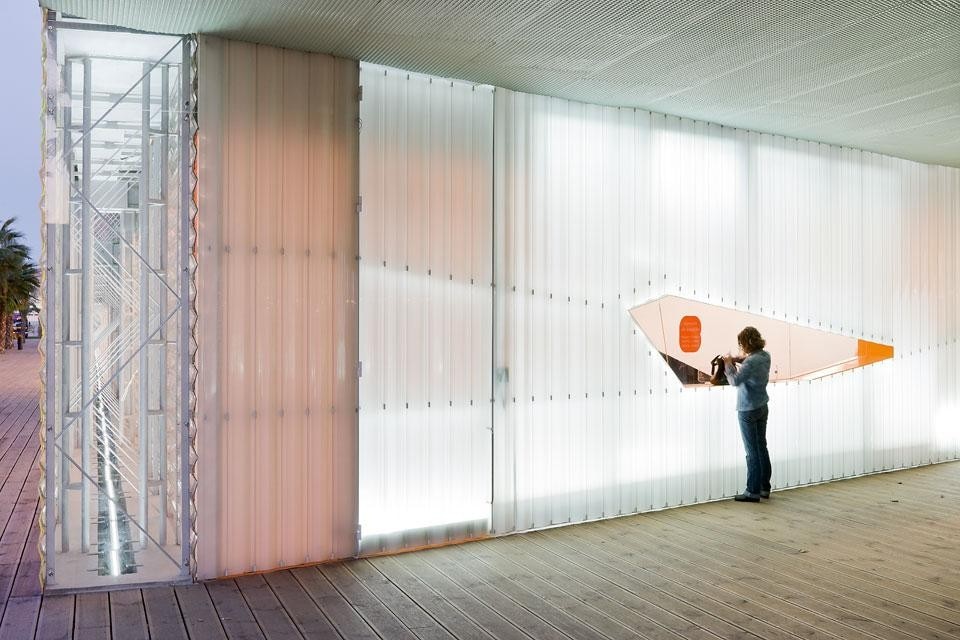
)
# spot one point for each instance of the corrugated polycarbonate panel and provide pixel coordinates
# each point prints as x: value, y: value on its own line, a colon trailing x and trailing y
x: 599, y: 209
x: 425, y: 309
x: 277, y: 311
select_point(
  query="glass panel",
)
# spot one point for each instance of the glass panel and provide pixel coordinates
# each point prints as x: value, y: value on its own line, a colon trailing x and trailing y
x: 116, y: 259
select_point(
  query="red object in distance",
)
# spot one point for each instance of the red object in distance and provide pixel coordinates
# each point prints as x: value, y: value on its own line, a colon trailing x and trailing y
x: 689, y: 334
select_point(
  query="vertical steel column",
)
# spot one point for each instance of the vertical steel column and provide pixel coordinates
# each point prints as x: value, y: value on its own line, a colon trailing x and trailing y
x: 163, y: 420
x: 65, y: 237
x: 50, y: 407
x: 144, y: 233
x: 186, y: 143
x: 52, y: 421
x: 86, y: 311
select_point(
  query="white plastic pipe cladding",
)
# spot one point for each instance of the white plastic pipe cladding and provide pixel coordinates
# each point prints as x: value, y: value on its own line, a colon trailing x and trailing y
x: 276, y: 304
x: 598, y: 209
x: 425, y: 309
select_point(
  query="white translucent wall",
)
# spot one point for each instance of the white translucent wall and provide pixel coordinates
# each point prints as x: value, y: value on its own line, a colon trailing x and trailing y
x: 576, y: 213
x: 598, y: 209
x: 277, y: 308
x: 425, y: 309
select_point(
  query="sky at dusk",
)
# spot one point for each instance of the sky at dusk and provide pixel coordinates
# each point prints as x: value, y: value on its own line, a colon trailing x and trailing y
x: 20, y: 121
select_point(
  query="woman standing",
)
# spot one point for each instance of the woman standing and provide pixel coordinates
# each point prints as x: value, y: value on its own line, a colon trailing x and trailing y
x: 751, y: 379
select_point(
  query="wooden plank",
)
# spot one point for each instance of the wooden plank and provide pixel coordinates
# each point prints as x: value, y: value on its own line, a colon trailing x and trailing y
x: 19, y: 449
x: 898, y: 591
x: 56, y: 618
x: 822, y: 615
x: 273, y: 620
x: 199, y: 614
x: 22, y: 438
x: 605, y: 626
x: 18, y: 495
x: 901, y: 551
x: 407, y: 610
x: 344, y: 618
x: 235, y: 615
x: 20, y: 617
x: 919, y: 515
x: 695, y: 612
x: 19, y: 523
x: 856, y: 594
x: 127, y: 617
x: 18, y: 400
x: 510, y: 601
x: 18, y: 492
x: 796, y: 575
x: 567, y: 614
x: 304, y: 612
x: 27, y: 581
x: 912, y: 529
x: 21, y: 517
x: 456, y: 622
x: 642, y: 578
x: 479, y: 609
x: 24, y: 412
x: 18, y: 500
x: 689, y: 577
x: 926, y: 506
x: 8, y: 571
x: 380, y: 619
x: 940, y: 479
x: 602, y: 595
x: 163, y: 614
x: 91, y: 618
x: 755, y: 581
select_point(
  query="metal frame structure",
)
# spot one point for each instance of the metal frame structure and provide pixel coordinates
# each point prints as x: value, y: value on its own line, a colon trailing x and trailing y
x: 117, y: 289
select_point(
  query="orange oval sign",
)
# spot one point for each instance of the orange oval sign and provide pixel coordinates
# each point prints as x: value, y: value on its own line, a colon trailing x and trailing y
x: 689, y: 334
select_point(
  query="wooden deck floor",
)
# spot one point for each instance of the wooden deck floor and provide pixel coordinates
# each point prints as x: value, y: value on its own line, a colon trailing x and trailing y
x: 869, y: 558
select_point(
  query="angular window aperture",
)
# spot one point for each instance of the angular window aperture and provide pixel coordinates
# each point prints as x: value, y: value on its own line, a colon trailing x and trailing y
x: 690, y: 334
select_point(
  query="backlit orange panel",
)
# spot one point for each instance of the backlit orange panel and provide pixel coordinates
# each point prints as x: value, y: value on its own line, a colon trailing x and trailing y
x: 690, y: 334
x: 870, y: 352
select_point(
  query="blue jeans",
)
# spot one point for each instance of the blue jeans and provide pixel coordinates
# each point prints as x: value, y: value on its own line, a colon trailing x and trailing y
x: 753, y: 428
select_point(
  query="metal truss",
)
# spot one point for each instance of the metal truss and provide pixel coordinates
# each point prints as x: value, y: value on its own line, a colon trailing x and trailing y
x: 117, y: 271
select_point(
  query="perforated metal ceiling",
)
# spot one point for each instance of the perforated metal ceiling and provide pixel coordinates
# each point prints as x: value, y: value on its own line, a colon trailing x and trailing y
x: 880, y: 75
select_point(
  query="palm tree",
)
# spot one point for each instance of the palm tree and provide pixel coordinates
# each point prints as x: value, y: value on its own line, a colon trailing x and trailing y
x: 19, y: 280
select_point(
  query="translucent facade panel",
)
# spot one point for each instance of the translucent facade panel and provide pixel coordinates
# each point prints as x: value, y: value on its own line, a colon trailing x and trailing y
x: 115, y: 309
x: 277, y: 308
x: 600, y: 209
x: 425, y: 309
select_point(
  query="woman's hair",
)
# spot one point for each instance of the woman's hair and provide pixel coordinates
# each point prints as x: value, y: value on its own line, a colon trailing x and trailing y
x: 751, y: 340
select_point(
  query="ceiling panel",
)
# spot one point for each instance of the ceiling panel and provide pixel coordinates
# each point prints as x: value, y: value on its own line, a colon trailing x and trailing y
x: 882, y: 75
